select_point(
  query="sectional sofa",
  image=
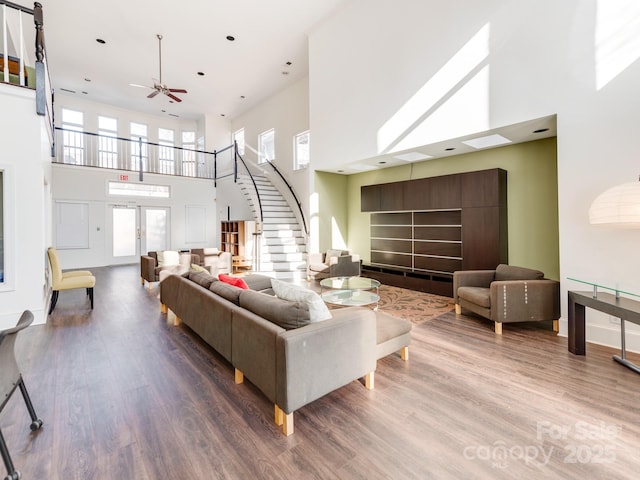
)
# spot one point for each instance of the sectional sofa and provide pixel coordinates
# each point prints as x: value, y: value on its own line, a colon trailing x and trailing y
x: 273, y: 343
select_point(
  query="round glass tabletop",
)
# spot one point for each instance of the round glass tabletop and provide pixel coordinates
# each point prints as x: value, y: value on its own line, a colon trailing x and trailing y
x: 349, y: 283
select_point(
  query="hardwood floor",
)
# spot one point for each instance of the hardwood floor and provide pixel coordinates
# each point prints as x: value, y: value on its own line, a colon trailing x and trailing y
x: 125, y: 395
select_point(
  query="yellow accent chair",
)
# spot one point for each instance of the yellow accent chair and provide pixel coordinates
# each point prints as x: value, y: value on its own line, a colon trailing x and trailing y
x: 68, y: 280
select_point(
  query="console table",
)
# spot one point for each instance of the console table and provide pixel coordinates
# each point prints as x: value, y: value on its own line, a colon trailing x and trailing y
x: 625, y: 309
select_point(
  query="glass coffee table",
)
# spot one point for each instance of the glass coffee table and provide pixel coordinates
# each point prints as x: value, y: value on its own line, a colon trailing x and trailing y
x: 350, y: 291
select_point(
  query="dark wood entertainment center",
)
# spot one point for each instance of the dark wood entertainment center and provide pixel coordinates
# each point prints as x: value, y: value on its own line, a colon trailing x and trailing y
x: 423, y: 230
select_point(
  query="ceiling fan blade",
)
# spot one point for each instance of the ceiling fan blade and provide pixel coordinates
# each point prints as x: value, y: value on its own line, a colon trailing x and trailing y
x: 139, y: 86
x: 152, y: 94
x: 177, y: 90
x: 173, y: 97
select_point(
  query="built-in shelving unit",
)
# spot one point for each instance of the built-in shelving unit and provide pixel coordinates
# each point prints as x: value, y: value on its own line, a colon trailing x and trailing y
x: 232, y: 237
x: 424, y: 230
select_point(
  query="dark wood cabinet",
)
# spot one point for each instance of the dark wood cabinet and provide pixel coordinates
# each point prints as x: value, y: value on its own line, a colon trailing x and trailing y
x: 424, y: 230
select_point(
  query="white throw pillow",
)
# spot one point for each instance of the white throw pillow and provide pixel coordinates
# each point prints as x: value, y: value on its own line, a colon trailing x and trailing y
x: 331, y: 253
x: 318, y: 310
x: 168, y: 258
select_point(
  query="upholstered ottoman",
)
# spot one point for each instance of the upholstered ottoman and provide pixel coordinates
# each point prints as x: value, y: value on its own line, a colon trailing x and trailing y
x: 392, y: 334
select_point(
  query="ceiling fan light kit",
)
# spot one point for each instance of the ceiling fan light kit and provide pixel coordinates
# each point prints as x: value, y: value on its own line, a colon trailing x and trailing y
x: 158, y: 86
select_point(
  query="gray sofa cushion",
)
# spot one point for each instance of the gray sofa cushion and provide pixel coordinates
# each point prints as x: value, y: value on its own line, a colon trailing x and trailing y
x: 288, y: 315
x: 226, y: 291
x: 204, y: 279
x: 510, y: 272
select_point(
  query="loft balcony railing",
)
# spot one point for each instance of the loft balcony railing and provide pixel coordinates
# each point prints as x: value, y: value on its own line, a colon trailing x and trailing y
x: 75, y: 147
x: 19, y: 64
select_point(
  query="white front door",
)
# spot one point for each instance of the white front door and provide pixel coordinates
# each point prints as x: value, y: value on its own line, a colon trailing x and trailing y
x: 136, y: 230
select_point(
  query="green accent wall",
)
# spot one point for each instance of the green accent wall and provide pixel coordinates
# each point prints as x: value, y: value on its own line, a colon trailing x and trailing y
x: 532, y: 196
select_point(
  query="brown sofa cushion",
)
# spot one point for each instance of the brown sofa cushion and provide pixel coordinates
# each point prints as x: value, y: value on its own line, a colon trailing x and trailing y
x: 476, y: 295
x: 258, y: 282
x: 286, y: 314
x: 510, y: 272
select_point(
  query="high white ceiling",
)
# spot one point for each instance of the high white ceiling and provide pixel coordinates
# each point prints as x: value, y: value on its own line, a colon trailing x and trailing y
x: 268, y: 34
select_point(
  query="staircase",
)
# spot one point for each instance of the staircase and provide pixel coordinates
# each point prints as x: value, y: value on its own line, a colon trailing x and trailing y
x: 282, y: 248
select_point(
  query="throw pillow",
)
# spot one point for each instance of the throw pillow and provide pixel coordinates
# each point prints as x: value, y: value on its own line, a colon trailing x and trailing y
x: 235, y: 281
x: 168, y: 257
x: 198, y: 268
x: 318, y: 310
x: 331, y: 253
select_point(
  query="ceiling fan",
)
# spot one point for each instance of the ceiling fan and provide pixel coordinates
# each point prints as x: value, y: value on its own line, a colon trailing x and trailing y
x: 158, y: 86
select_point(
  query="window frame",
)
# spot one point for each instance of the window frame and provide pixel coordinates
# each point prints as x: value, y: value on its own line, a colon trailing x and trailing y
x: 296, y: 164
x: 262, y: 157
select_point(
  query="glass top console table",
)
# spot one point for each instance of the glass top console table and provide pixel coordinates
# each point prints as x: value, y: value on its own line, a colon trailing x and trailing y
x: 350, y: 291
x: 626, y: 309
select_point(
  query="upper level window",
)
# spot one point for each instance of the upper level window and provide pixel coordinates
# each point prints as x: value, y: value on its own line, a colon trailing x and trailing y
x: 139, y: 147
x: 301, y: 150
x: 266, y: 146
x: 166, y: 157
x: 107, y: 143
x: 188, y: 153
x: 238, y: 137
x: 72, y: 136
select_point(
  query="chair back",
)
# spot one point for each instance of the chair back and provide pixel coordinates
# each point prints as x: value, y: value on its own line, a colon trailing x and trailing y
x: 56, y: 269
x: 9, y: 371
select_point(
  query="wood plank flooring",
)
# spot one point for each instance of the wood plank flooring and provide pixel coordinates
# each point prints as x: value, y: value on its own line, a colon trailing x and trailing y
x: 125, y: 395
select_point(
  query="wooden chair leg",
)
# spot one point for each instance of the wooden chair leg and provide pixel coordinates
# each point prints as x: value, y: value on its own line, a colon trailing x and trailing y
x: 278, y: 415
x: 239, y: 376
x: 163, y: 308
x: 369, y: 380
x: 498, y: 328
x: 404, y: 353
x: 556, y: 326
x: 287, y: 424
x: 458, y: 309
x: 54, y: 300
x: 142, y: 281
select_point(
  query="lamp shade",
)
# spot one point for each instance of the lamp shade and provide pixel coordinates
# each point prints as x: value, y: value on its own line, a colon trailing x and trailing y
x: 617, y: 206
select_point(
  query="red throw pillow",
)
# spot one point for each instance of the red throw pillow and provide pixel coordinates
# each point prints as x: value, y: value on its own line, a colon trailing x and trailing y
x: 235, y: 281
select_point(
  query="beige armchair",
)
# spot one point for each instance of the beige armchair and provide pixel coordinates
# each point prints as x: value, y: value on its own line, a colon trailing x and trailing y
x: 333, y: 263
x: 214, y: 260
x: 507, y: 294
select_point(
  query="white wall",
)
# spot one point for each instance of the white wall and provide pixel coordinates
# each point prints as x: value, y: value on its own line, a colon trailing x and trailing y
x: 83, y: 184
x: 438, y: 70
x: 25, y: 157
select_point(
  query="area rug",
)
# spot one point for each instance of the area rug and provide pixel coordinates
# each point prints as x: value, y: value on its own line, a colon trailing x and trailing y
x: 415, y: 306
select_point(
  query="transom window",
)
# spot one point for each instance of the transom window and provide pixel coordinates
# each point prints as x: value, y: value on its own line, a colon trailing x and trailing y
x: 139, y: 190
x: 238, y: 137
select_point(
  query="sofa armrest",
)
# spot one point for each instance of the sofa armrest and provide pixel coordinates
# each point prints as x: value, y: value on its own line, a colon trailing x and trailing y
x: 315, y: 258
x: 525, y: 300
x: 471, y: 278
x: 316, y: 359
x: 148, y: 268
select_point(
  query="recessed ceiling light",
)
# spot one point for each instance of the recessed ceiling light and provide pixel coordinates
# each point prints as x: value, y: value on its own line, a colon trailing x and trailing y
x: 173, y: 115
x: 222, y: 114
x: 487, y: 141
x: 231, y: 38
x: 242, y: 96
x: 289, y: 64
x: 201, y: 74
x: 99, y: 40
x: 284, y: 72
x: 412, y: 156
x: 449, y: 149
x: 87, y: 79
x: 67, y: 90
x: 540, y: 130
x: 163, y: 111
x: 340, y: 171
x: 86, y: 93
